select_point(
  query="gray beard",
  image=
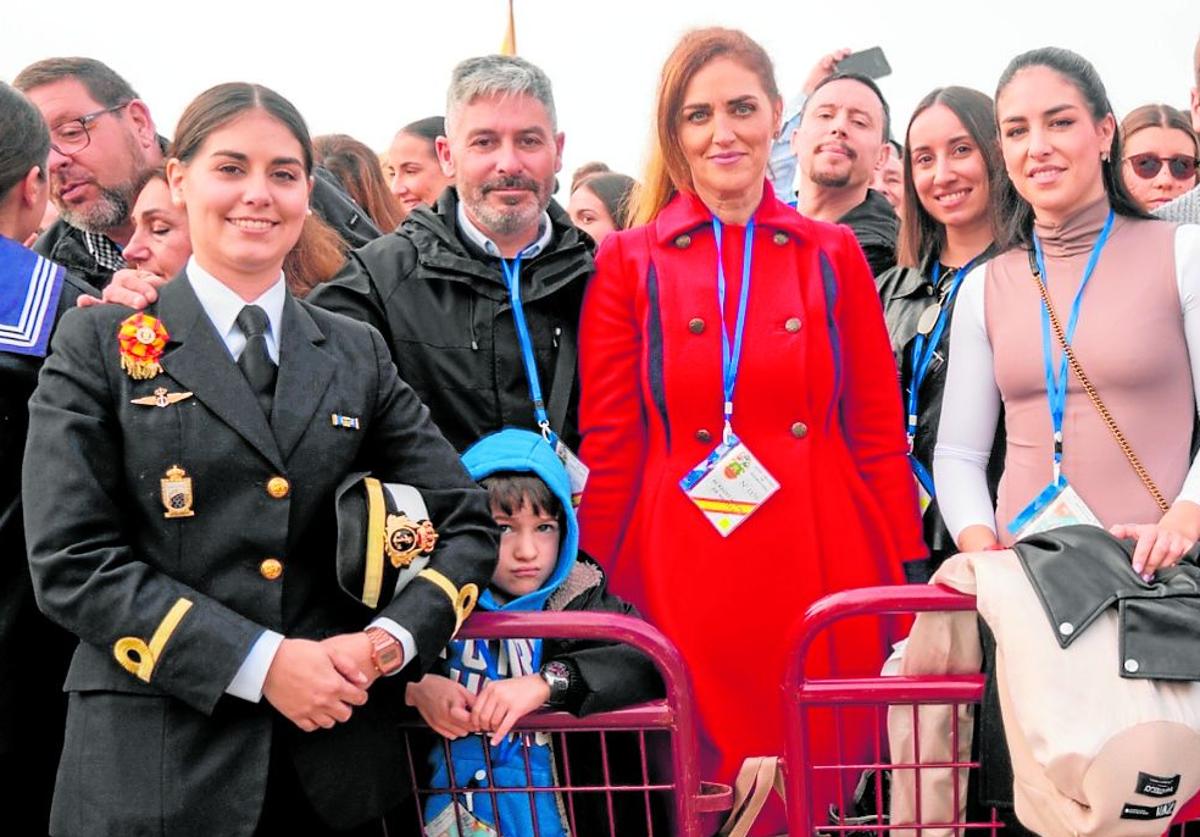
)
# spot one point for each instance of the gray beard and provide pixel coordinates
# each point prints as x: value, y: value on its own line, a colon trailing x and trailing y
x: 506, y: 221
x: 109, y: 211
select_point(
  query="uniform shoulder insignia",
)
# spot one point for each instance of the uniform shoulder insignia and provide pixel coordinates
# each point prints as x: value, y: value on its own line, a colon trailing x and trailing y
x: 140, y: 341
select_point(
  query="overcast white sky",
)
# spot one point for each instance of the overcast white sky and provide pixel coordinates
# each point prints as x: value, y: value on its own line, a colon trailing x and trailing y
x: 366, y: 67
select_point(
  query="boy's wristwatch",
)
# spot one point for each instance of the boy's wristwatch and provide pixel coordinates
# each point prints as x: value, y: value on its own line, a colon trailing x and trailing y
x: 557, y: 675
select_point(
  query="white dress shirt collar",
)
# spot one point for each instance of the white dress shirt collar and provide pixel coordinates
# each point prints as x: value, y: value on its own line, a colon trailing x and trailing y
x: 480, y: 239
x: 222, y: 306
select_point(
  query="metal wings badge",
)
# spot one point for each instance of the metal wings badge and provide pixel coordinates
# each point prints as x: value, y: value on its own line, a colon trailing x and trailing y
x: 177, y: 493
x: 405, y: 539
x: 161, y: 398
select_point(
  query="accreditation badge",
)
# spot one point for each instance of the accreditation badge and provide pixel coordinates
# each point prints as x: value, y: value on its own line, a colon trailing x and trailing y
x: 729, y: 485
x: 577, y: 472
x: 1057, y: 505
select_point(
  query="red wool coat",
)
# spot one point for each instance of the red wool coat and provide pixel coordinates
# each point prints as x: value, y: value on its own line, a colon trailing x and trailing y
x: 817, y: 402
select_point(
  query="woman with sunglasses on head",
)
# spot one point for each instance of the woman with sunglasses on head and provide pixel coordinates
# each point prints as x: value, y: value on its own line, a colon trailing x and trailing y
x: 1123, y: 291
x: 952, y: 154
x: 220, y: 684
x: 1161, y: 151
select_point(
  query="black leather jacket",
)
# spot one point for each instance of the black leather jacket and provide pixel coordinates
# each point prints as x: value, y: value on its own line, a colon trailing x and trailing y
x: 906, y: 292
x: 1079, y: 572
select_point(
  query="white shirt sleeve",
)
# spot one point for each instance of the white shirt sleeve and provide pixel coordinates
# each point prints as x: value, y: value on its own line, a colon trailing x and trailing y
x: 970, y: 411
x: 1187, y: 273
x: 247, y: 684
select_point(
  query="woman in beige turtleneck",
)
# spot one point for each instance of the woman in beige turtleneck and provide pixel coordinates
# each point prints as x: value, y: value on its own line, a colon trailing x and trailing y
x: 1138, y: 334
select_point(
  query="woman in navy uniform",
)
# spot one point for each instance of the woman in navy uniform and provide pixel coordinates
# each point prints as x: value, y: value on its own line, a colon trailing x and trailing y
x: 179, y: 508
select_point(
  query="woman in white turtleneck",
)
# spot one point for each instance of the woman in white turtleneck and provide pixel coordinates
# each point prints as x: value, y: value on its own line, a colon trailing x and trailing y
x: 1137, y: 335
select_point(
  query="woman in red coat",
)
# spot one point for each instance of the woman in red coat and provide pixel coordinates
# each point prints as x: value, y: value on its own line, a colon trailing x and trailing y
x: 715, y: 555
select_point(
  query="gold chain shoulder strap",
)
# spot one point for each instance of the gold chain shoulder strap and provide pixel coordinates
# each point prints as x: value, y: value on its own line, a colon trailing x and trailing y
x: 1093, y: 395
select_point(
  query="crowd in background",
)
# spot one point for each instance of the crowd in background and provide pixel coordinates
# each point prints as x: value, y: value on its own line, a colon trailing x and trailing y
x: 875, y: 334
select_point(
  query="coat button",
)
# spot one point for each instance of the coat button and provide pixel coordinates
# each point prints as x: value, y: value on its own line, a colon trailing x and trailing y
x: 682, y: 241
x: 696, y: 325
x: 792, y: 325
x: 278, y: 487
x: 270, y: 568
x: 799, y: 430
x: 1131, y: 666
x: 703, y: 435
x: 780, y: 238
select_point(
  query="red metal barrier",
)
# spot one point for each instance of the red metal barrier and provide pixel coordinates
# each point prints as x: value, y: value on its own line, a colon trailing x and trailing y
x: 874, y: 696
x: 659, y: 738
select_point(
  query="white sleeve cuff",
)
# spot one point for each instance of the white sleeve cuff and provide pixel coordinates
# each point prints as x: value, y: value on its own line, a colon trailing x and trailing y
x: 402, y: 635
x: 247, y: 684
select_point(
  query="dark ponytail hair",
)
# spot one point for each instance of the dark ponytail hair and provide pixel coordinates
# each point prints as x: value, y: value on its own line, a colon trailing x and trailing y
x: 1013, y: 212
x: 25, y: 140
x: 220, y: 105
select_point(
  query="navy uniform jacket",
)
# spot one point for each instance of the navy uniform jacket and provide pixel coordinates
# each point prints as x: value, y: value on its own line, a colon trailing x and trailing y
x: 161, y: 749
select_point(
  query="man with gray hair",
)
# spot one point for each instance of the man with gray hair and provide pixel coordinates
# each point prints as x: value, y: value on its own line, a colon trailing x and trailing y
x: 479, y: 296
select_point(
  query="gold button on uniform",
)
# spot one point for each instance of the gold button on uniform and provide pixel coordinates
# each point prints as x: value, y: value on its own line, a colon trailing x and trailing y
x: 278, y: 487
x: 780, y: 238
x: 792, y: 325
x: 703, y: 435
x: 696, y: 325
x: 270, y: 568
x: 682, y: 241
x: 799, y: 430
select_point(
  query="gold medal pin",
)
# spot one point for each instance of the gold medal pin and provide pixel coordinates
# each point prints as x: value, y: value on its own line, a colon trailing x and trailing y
x: 177, y: 493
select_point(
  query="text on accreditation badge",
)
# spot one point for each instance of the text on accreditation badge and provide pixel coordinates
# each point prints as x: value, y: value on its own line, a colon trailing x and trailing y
x: 729, y: 485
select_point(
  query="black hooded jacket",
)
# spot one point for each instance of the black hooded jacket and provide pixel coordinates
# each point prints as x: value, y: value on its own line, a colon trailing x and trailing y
x: 443, y: 307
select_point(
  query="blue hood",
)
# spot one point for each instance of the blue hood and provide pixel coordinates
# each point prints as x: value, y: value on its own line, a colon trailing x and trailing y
x: 527, y: 452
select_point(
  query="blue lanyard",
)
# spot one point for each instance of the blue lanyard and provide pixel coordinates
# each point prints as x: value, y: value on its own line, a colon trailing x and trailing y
x: 512, y: 275
x: 504, y: 752
x: 1056, y: 385
x: 924, y: 347
x: 731, y: 358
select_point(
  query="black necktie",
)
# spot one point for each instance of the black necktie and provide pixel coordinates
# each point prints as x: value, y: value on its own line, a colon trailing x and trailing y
x: 255, y: 362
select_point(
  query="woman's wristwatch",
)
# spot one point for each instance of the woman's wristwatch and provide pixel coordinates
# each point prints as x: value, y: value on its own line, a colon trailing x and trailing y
x: 557, y: 675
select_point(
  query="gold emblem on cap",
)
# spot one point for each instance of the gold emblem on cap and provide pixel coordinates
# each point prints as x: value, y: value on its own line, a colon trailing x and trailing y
x: 161, y: 398
x: 177, y: 493
x: 405, y: 539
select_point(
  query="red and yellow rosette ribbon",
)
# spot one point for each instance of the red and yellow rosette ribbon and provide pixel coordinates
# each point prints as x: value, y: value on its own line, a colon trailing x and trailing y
x: 142, y: 339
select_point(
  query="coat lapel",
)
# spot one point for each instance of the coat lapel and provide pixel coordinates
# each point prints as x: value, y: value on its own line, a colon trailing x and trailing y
x: 197, y: 358
x: 305, y: 371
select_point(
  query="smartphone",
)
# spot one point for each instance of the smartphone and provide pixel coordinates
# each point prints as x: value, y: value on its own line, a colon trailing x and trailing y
x: 870, y: 63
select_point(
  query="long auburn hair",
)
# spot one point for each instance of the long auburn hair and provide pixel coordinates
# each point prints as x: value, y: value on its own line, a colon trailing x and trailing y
x: 666, y: 168
x: 357, y: 168
x: 920, y: 233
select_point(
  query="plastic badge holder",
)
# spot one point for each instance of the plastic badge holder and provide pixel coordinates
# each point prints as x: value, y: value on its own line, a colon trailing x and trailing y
x: 729, y: 485
x: 1058, y: 505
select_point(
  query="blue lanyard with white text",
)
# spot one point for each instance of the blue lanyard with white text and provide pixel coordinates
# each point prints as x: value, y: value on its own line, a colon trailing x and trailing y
x: 924, y: 348
x: 1056, y: 386
x: 512, y: 275
x: 731, y: 356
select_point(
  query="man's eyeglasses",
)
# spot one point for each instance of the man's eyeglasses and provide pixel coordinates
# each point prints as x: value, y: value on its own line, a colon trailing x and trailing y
x: 1147, y: 166
x: 72, y: 136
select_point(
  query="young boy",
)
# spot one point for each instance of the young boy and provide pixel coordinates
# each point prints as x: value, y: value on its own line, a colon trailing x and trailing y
x: 489, y: 686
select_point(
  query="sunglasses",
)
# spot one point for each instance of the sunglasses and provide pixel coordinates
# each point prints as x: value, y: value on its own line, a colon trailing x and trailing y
x: 1147, y: 166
